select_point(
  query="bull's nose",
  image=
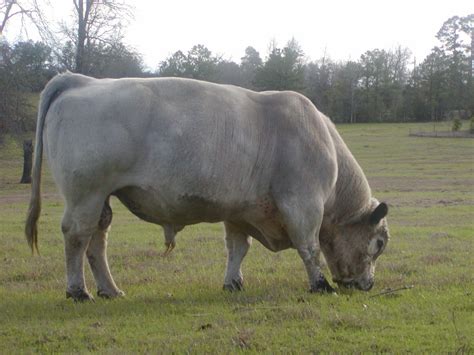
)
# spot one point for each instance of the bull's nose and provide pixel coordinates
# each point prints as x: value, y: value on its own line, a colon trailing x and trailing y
x: 368, y: 286
x: 371, y: 284
x: 347, y: 284
x: 364, y: 285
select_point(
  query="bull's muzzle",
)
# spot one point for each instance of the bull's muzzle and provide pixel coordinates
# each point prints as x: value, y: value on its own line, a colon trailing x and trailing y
x: 363, y: 285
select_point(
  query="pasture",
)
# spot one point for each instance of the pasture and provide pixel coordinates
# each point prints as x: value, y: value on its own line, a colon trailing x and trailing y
x: 176, y: 304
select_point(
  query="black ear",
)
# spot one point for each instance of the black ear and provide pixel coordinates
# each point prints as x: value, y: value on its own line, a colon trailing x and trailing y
x: 380, y: 212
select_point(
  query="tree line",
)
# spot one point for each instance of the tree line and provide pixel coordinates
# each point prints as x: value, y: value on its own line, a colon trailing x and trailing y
x: 382, y: 85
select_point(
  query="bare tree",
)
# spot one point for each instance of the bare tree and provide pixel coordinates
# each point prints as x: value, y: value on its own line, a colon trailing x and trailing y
x: 10, y: 9
x: 95, y: 23
x: 98, y: 21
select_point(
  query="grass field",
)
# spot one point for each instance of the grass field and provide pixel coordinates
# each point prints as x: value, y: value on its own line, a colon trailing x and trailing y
x: 176, y: 304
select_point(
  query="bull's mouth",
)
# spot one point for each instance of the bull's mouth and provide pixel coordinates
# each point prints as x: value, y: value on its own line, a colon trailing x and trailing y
x: 353, y: 284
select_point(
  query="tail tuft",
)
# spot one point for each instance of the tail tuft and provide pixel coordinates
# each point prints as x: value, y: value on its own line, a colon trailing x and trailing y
x: 31, y: 226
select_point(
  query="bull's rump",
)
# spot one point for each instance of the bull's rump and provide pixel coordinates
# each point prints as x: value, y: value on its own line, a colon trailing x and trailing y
x: 178, y: 149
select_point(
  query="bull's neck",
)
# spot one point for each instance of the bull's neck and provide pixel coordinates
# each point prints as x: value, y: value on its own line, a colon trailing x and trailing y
x: 351, y: 195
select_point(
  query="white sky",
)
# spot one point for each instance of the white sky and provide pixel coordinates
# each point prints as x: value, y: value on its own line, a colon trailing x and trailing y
x: 343, y: 28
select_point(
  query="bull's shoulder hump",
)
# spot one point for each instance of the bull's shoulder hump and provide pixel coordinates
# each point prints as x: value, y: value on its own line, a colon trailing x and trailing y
x: 292, y: 106
x: 285, y: 99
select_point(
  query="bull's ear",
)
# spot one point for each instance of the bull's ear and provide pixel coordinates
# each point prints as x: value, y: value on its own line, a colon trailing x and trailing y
x: 380, y: 212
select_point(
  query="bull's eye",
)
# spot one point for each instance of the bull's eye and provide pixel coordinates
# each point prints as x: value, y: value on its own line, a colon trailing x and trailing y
x: 379, y: 244
x: 376, y: 247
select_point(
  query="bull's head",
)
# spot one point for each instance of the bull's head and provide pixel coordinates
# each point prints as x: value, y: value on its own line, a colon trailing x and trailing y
x: 351, y: 250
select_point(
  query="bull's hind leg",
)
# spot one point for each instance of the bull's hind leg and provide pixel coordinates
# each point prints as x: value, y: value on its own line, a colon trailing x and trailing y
x: 238, y: 244
x: 97, y: 256
x: 78, y: 225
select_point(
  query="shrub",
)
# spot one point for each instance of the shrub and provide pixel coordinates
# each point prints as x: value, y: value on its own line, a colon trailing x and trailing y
x: 471, y: 125
x: 457, y: 124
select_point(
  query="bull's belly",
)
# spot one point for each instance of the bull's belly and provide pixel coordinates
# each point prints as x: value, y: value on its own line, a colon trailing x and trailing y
x: 152, y: 206
x: 259, y: 219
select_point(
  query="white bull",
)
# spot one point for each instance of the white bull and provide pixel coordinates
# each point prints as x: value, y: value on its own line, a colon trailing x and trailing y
x: 178, y: 152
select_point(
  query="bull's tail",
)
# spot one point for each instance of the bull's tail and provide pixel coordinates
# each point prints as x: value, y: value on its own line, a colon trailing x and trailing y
x: 53, y: 89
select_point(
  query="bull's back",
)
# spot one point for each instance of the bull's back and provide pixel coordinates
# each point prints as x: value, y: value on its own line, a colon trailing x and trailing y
x: 184, y: 144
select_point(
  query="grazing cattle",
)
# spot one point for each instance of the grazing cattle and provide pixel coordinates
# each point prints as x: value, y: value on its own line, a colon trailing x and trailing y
x: 177, y: 152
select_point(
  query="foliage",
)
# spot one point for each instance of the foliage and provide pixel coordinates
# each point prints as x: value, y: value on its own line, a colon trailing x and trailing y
x: 283, y: 69
x: 455, y: 39
x: 176, y: 304
x: 198, y: 63
x: 319, y: 81
x: 457, y: 124
x: 228, y: 72
x: 382, y: 85
x: 471, y: 125
x: 249, y: 65
x: 25, y: 67
x: 384, y: 75
x: 92, y: 45
x: 104, y: 60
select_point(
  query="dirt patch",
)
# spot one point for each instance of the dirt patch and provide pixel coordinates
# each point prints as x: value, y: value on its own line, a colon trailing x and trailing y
x: 17, y: 198
x: 443, y: 134
x: 414, y: 191
x: 435, y: 259
x: 419, y: 184
x: 440, y: 235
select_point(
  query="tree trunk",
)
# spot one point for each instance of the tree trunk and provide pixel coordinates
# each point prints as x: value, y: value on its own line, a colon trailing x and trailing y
x: 352, y: 102
x: 83, y: 8
x: 27, y: 161
x: 471, y: 73
x: 81, y: 37
x: 472, y: 55
x: 6, y: 17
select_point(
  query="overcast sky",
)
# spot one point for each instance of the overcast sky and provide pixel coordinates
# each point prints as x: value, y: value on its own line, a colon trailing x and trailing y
x: 343, y: 29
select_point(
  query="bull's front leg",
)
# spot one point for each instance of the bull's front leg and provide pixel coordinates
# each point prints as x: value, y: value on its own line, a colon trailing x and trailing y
x: 311, y: 257
x: 237, y: 244
x: 303, y: 224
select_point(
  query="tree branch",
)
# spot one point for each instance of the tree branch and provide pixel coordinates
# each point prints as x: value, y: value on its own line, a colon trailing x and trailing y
x: 389, y: 290
x: 5, y: 19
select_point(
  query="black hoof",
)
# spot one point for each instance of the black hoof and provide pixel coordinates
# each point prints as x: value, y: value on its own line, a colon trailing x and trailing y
x: 236, y: 285
x: 322, y: 286
x: 79, y: 295
x: 110, y: 295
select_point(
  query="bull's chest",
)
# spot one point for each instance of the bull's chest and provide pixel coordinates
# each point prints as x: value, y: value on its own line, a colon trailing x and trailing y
x: 263, y: 221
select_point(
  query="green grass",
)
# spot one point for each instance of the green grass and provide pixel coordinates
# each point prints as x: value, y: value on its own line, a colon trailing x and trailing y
x: 177, y: 305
